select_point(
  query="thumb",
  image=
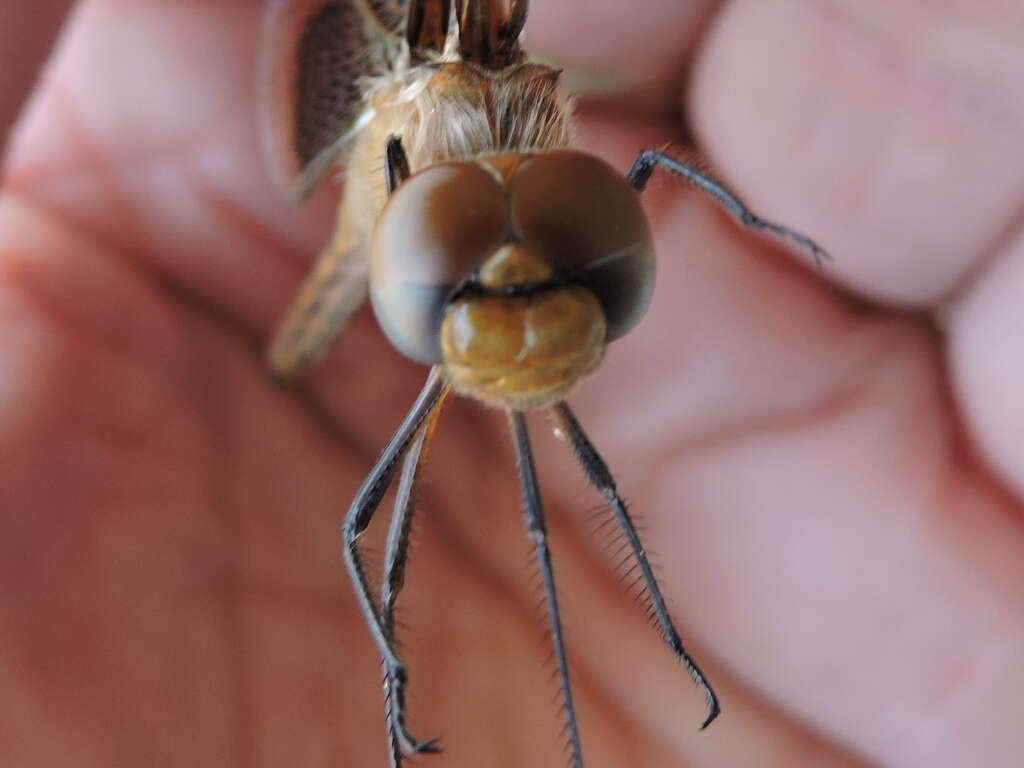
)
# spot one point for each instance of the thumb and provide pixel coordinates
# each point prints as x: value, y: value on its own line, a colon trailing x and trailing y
x: 27, y: 34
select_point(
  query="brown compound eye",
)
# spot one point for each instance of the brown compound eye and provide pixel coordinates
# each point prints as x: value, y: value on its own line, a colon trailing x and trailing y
x: 587, y: 220
x: 434, y: 231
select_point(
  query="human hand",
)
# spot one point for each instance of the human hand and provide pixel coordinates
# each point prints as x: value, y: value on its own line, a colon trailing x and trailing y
x: 831, y: 484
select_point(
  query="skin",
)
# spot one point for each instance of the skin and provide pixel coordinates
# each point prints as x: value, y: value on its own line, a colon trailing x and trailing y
x: 828, y: 465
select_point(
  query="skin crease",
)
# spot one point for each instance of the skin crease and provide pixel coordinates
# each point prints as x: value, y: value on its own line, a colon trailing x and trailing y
x: 832, y: 485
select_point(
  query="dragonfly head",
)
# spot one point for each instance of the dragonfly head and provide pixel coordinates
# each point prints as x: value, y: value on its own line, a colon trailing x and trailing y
x: 512, y: 272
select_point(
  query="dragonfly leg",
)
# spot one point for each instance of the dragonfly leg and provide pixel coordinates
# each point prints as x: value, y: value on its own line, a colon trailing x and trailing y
x: 649, y: 159
x: 396, y: 163
x: 601, y: 478
x: 395, y: 559
x: 537, y: 529
x: 360, y: 514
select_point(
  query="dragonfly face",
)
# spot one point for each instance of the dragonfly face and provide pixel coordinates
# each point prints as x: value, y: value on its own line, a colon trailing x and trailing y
x: 490, y: 251
x: 512, y: 272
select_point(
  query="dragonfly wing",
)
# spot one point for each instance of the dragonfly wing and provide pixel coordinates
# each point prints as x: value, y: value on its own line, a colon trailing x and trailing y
x: 314, y: 57
x: 330, y: 294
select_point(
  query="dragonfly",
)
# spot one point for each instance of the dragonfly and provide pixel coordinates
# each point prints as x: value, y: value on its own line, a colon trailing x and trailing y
x: 491, y: 251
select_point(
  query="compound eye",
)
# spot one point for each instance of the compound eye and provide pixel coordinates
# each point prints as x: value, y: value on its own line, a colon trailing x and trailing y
x: 435, y: 230
x: 586, y: 218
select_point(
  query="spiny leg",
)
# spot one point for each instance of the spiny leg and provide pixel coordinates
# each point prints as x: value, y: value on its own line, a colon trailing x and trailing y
x: 358, y: 518
x: 534, y: 509
x: 396, y: 556
x: 649, y: 159
x: 394, y: 578
x: 599, y: 475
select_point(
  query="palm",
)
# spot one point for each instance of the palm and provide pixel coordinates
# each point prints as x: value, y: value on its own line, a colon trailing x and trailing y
x: 840, y: 556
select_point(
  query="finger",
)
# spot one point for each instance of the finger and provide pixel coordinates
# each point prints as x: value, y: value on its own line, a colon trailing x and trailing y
x: 634, y: 698
x: 633, y: 51
x: 25, y: 42
x: 892, y: 131
x: 606, y: 33
x: 823, y: 530
x: 986, y: 332
x: 822, y: 525
x: 146, y: 136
